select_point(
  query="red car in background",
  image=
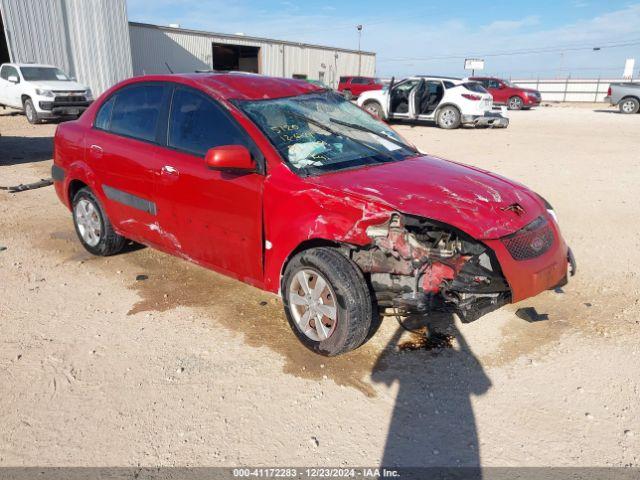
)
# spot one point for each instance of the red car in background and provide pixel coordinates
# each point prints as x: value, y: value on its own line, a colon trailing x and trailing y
x: 295, y: 190
x: 352, y: 87
x: 506, y: 93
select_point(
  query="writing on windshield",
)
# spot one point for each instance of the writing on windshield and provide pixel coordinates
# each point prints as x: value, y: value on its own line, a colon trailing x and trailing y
x: 323, y: 132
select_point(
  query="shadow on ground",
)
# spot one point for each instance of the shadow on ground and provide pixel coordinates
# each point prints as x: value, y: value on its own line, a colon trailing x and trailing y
x: 432, y: 424
x: 18, y: 150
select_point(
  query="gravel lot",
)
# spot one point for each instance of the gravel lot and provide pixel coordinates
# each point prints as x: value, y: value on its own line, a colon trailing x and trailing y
x: 190, y: 368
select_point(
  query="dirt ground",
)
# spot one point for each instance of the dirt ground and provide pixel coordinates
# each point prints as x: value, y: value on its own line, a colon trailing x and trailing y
x: 190, y: 368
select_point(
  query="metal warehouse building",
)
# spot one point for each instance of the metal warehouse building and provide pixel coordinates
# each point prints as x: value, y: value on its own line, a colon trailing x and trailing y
x: 93, y: 41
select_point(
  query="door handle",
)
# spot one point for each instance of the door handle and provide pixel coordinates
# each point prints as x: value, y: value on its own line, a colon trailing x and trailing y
x: 169, y: 170
x: 96, y: 148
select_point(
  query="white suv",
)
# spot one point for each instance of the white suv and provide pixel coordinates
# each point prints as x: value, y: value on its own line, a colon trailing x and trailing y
x: 42, y: 91
x: 450, y: 102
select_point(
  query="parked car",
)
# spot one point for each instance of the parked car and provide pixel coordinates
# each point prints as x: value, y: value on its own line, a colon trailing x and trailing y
x: 625, y: 95
x: 506, y: 93
x: 450, y: 102
x: 353, y: 87
x: 42, y: 91
x: 297, y: 191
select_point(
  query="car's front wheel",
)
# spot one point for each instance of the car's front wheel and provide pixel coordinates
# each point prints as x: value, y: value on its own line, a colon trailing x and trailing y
x: 629, y: 105
x: 515, y: 103
x: 448, y: 117
x: 30, y: 112
x: 327, y: 301
x: 93, y: 226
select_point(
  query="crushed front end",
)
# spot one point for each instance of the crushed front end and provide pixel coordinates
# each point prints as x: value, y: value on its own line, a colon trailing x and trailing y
x: 416, y: 265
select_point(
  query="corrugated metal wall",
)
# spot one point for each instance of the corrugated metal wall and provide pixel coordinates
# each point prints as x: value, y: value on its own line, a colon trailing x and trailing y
x: 186, y: 51
x: 86, y: 38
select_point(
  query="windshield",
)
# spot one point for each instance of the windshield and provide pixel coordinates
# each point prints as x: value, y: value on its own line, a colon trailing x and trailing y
x: 322, y: 131
x: 43, y: 74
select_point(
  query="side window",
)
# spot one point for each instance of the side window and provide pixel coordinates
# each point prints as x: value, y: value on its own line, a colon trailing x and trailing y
x: 359, y: 80
x: 103, y: 118
x: 197, y: 124
x: 448, y: 84
x: 8, y: 72
x: 136, y: 111
x: 494, y: 84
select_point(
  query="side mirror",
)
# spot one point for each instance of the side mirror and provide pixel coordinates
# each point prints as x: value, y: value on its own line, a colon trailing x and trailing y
x: 230, y: 157
x: 13, y: 79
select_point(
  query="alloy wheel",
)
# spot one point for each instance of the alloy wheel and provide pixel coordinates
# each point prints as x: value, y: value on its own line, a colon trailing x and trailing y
x: 628, y: 106
x: 313, y: 304
x: 448, y: 117
x: 88, y: 222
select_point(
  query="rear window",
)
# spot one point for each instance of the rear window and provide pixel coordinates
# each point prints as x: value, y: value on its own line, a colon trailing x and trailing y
x: 474, y: 87
x: 344, y: 79
x: 136, y: 111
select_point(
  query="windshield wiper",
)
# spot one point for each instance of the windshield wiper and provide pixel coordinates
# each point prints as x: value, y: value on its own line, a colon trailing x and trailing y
x: 341, y: 134
x: 373, y: 132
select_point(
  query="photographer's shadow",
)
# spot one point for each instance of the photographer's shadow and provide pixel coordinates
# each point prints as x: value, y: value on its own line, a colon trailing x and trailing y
x: 433, y: 424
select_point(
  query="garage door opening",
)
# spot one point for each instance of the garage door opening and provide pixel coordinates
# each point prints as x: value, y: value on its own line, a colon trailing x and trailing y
x: 4, y: 48
x: 238, y: 58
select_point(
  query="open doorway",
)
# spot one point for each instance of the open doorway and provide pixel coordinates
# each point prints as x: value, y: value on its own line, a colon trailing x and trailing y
x: 4, y: 48
x: 235, y: 57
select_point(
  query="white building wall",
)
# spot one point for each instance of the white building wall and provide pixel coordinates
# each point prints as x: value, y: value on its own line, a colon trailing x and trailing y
x: 570, y: 89
x: 87, y: 39
x: 188, y: 51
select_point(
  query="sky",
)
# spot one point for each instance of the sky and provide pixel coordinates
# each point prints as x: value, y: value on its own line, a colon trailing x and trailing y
x: 517, y: 39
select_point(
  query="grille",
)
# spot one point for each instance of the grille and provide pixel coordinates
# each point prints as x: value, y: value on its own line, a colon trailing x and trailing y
x: 530, y: 241
x: 69, y: 100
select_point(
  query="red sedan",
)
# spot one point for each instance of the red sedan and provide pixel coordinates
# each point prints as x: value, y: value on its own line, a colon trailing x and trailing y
x: 293, y: 189
x: 506, y: 93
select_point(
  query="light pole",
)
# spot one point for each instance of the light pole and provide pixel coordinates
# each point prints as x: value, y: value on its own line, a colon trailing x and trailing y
x: 359, y: 28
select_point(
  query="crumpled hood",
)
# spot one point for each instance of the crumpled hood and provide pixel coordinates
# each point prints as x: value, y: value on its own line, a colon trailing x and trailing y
x: 65, y: 85
x: 465, y: 197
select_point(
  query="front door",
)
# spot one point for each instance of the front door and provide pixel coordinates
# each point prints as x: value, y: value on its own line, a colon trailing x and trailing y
x: 9, y: 91
x: 214, y: 217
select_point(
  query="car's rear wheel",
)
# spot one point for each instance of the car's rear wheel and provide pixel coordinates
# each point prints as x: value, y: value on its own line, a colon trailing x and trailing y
x: 448, y: 117
x: 375, y: 109
x: 515, y: 103
x: 94, y: 229
x: 348, y: 95
x: 30, y: 112
x: 327, y: 301
x: 629, y: 105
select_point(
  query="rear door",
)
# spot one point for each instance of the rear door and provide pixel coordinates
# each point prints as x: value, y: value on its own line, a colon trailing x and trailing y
x: 122, y: 147
x: 214, y: 217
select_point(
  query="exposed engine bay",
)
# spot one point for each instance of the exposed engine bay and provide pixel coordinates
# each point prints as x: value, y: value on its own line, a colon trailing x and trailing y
x: 417, y: 265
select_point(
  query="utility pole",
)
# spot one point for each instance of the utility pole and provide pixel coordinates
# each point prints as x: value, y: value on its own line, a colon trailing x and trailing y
x: 359, y: 28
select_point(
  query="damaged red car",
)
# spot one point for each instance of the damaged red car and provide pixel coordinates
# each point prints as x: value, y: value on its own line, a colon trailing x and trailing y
x: 291, y: 188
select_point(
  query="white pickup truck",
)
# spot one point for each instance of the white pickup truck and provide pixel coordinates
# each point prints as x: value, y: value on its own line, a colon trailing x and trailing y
x: 42, y: 91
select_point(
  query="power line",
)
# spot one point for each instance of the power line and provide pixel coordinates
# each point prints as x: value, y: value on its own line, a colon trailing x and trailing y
x: 556, y: 49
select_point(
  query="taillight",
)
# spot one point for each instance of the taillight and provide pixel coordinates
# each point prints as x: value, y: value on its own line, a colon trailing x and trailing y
x: 468, y: 96
x: 609, y: 92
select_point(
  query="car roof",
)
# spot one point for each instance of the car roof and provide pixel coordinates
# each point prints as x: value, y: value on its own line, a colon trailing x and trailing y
x: 455, y: 80
x: 39, y: 65
x: 238, y: 85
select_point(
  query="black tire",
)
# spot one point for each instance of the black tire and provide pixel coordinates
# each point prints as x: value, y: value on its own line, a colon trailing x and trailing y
x: 348, y: 95
x: 30, y: 112
x: 374, y: 108
x: 354, y: 304
x: 448, y: 117
x: 515, y: 103
x: 109, y: 242
x: 629, y: 105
